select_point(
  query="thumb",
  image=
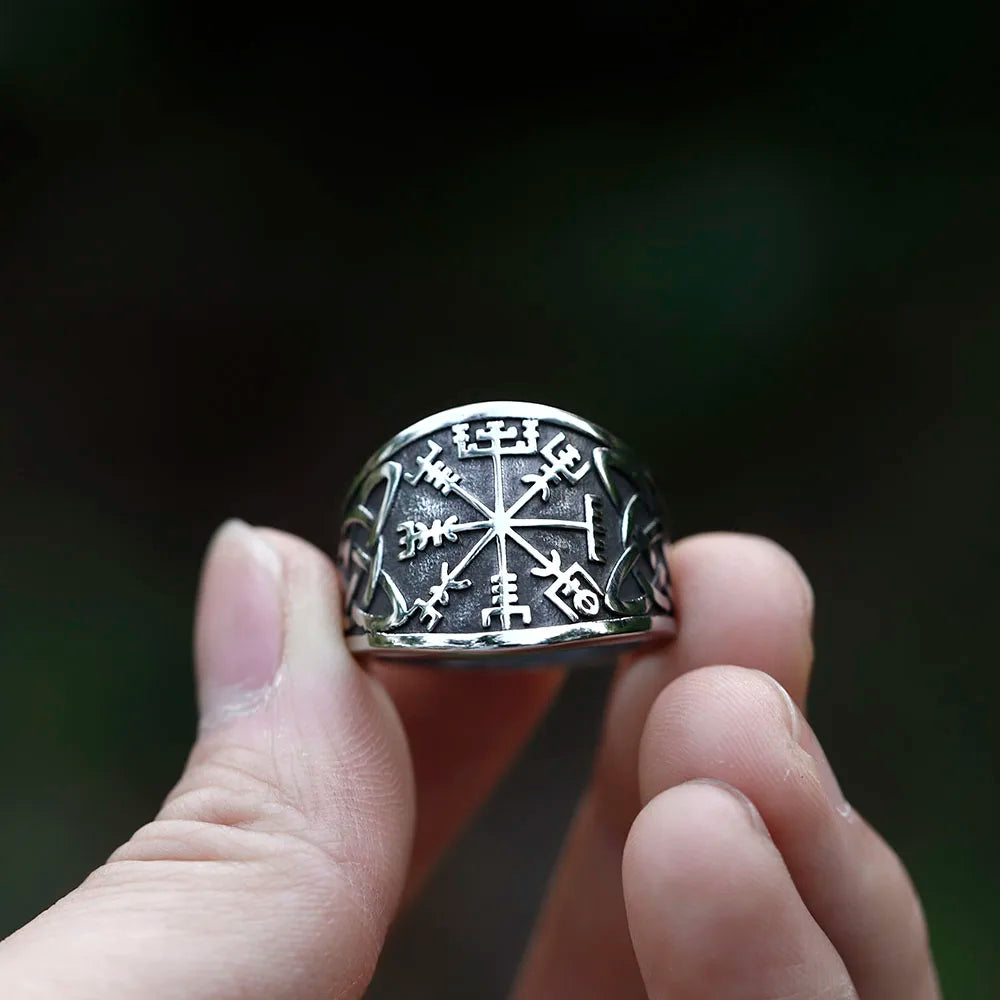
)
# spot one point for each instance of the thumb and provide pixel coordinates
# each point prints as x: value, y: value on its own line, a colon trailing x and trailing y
x: 276, y: 864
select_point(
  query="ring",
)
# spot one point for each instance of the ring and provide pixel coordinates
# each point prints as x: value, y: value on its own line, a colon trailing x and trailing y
x: 503, y: 528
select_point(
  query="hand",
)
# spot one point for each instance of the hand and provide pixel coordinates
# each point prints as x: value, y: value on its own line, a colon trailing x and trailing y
x: 713, y: 856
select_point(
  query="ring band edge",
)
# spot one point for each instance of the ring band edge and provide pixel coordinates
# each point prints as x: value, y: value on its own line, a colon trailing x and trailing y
x: 460, y: 644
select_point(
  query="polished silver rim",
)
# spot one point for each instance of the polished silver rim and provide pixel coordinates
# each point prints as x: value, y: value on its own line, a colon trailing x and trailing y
x: 463, y: 643
x: 473, y: 412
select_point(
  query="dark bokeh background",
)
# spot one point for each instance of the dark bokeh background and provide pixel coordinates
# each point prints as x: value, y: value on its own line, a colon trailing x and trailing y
x: 760, y: 242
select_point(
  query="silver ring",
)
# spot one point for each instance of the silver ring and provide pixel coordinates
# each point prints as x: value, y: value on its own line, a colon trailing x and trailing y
x: 503, y: 528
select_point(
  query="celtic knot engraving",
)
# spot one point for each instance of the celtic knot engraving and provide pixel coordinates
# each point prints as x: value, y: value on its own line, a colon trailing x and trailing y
x: 543, y: 525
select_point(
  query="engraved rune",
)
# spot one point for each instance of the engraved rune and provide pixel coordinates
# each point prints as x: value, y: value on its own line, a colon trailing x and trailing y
x: 558, y: 465
x: 415, y: 535
x: 439, y: 595
x: 439, y: 475
x: 575, y: 583
x: 593, y: 518
x: 504, y: 591
x: 496, y: 434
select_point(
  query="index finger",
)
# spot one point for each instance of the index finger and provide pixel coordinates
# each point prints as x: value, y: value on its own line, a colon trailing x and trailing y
x: 740, y: 599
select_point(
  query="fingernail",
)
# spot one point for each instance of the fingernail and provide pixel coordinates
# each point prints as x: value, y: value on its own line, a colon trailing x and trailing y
x: 802, y: 733
x: 808, y: 596
x: 806, y: 601
x: 752, y: 813
x: 239, y: 632
x: 811, y: 745
x: 790, y: 711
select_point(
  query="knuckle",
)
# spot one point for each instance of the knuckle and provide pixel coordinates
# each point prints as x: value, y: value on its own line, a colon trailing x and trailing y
x: 232, y: 787
x: 231, y: 808
x: 253, y: 884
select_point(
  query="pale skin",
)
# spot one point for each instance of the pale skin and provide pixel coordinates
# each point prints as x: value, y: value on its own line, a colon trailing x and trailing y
x: 713, y: 856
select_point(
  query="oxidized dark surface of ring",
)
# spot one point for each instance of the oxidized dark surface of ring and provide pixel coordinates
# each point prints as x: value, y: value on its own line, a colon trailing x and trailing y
x: 503, y: 528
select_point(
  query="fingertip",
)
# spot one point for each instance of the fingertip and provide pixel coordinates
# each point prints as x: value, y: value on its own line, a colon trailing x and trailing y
x: 679, y: 833
x: 756, y: 550
x: 745, y: 599
x: 727, y: 723
x: 712, y: 909
x: 314, y: 610
x: 308, y: 564
x: 698, y: 874
x: 756, y: 553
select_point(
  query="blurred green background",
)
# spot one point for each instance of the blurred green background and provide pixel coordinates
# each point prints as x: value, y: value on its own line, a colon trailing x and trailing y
x: 759, y: 242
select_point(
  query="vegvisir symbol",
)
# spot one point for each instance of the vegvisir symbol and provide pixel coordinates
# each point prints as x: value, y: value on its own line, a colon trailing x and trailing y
x: 502, y: 527
x: 573, y: 591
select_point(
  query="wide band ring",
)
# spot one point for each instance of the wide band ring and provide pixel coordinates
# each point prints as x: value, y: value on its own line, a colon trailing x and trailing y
x: 503, y: 528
